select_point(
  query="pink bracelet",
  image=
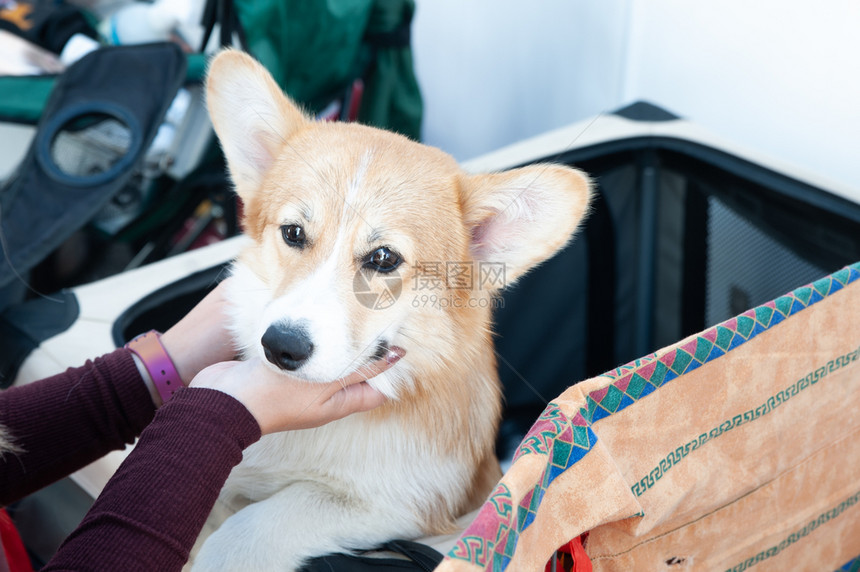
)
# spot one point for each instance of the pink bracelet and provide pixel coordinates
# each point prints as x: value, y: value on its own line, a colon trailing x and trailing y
x: 156, y: 361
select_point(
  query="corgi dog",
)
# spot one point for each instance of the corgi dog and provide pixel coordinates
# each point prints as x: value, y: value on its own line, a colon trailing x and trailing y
x: 348, y: 225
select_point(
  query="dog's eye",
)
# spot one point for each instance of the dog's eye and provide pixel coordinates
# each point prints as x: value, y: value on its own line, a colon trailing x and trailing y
x: 382, y: 259
x: 293, y: 234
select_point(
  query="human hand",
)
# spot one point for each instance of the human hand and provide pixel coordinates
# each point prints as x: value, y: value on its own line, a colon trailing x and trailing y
x: 201, y: 338
x: 281, y: 402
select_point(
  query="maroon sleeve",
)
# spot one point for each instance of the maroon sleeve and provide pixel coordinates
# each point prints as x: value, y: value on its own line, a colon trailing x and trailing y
x: 67, y: 421
x: 151, y: 511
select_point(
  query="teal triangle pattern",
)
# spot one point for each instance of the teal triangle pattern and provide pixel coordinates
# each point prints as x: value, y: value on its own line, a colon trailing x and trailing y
x: 639, y: 378
x: 490, y: 541
x: 850, y: 566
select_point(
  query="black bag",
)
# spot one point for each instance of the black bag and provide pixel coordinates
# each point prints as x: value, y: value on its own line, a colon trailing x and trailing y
x: 117, y: 96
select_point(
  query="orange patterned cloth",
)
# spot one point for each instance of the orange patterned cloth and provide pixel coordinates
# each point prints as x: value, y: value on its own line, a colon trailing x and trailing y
x: 733, y: 448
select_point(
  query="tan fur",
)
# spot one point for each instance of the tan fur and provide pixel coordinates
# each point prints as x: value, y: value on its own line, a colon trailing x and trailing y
x: 7, y: 443
x: 354, y: 189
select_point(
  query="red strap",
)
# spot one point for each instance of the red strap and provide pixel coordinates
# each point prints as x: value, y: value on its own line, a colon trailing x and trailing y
x: 571, y: 557
x: 16, y: 554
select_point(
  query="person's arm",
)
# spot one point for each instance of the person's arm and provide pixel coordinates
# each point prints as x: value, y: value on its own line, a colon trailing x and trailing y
x: 60, y: 424
x: 63, y: 423
x: 151, y: 511
x: 155, y: 505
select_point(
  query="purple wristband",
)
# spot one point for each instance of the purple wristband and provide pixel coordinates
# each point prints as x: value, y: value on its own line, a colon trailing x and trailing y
x: 156, y: 361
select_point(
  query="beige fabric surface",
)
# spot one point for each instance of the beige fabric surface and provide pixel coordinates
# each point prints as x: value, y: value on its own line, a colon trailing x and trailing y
x: 732, y: 449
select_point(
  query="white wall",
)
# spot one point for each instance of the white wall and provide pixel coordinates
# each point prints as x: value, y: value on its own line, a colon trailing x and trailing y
x: 781, y: 77
x: 494, y: 72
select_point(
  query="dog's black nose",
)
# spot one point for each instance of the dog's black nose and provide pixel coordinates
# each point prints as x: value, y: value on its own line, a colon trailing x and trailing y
x: 288, y: 347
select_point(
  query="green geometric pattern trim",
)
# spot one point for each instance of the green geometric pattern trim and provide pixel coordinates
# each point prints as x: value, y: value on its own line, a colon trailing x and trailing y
x: 489, y: 542
x: 491, y: 539
x: 641, y: 377
x: 798, y: 535
x: 805, y: 382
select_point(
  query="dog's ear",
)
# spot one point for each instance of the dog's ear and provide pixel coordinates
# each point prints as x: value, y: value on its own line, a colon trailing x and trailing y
x: 523, y: 216
x: 252, y: 117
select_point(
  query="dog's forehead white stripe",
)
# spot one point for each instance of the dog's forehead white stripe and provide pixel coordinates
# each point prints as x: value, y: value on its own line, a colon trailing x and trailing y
x: 350, y: 209
x: 335, y: 190
x: 358, y: 177
x: 318, y: 300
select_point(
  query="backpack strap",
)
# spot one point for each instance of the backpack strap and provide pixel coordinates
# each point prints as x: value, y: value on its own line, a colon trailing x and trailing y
x: 421, y: 558
x: 424, y: 556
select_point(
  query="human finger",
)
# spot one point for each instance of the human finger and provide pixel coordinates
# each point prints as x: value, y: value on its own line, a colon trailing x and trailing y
x: 355, y: 398
x: 374, y: 368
